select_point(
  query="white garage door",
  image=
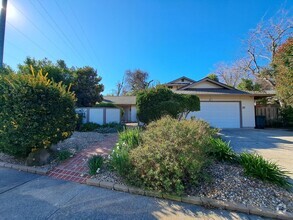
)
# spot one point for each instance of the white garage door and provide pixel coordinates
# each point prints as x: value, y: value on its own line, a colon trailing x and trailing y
x: 219, y: 114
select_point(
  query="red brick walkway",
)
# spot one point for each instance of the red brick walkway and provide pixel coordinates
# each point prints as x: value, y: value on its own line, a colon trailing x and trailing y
x: 75, y: 169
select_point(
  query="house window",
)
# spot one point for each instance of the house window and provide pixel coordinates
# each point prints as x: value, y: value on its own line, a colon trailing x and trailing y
x: 182, y: 80
x: 170, y: 87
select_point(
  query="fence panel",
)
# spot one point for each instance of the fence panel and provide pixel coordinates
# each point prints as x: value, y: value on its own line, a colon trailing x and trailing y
x: 99, y: 115
x: 271, y: 112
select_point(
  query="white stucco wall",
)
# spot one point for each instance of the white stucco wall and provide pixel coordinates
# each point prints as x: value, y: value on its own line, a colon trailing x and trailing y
x: 99, y: 115
x: 133, y: 114
x: 112, y: 115
x: 247, y: 107
x: 96, y: 115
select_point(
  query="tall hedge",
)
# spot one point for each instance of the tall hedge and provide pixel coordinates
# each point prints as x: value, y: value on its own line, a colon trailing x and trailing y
x: 34, y: 113
x: 156, y: 102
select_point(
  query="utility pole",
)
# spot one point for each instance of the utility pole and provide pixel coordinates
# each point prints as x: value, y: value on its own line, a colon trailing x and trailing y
x: 2, y: 30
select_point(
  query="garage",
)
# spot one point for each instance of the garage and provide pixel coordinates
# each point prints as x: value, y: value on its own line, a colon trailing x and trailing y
x: 219, y: 114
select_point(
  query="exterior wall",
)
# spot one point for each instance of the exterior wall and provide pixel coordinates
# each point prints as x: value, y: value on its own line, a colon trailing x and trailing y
x: 206, y: 85
x: 99, y: 115
x: 133, y: 113
x: 96, y: 115
x: 247, y: 107
x: 112, y: 115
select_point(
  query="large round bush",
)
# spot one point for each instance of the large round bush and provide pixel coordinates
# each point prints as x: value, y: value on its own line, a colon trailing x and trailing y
x: 34, y: 113
x: 172, y: 154
x: 154, y: 103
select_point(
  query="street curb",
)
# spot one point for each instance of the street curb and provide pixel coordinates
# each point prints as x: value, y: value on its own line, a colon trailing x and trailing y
x: 202, y: 201
x: 24, y: 168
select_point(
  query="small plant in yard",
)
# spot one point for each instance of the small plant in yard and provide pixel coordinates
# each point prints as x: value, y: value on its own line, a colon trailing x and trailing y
x: 95, y: 163
x: 256, y: 166
x: 63, y: 155
x: 90, y: 126
x: 131, y: 137
x: 222, y: 151
x: 128, y: 140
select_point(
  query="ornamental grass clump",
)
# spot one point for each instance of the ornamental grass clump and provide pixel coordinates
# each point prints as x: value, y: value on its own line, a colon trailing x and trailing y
x: 95, y: 163
x: 119, y: 159
x: 172, y: 154
x: 34, y: 113
x: 222, y: 151
x: 256, y: 166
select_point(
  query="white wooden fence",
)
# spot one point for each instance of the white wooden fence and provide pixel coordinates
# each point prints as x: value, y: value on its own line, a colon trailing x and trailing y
x: 100, y: 115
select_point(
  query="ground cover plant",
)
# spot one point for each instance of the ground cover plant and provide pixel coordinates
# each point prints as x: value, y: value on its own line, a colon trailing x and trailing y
x: 106, y: 128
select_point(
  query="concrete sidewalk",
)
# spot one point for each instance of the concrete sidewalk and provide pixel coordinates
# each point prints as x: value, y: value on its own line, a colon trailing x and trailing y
x: 30, y: 196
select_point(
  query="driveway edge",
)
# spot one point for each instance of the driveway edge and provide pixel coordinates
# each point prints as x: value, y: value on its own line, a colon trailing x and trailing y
x: 202, y: 201
x: 25, y: 168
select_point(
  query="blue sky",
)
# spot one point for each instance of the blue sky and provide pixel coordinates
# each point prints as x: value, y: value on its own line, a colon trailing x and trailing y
x: 166, y: 38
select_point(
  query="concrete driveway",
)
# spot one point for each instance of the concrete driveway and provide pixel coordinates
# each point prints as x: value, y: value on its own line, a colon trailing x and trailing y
x: 273, y: 144
x: 30, y: 196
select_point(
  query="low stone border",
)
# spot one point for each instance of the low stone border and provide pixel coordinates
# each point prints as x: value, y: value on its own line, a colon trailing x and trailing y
x: 25, y: 168
x: 202, y: 201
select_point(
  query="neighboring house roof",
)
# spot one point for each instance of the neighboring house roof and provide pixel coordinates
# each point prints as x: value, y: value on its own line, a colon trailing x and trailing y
x: 202, y: 91
x: 120, y: 100
x: 179, y: 79
x: 206, y: 79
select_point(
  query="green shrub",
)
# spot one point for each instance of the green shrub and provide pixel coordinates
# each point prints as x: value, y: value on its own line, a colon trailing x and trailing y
x: 34, y: 113
x: 172, y: 154
x: 256, y: 166
x: 128, y: 140
x: 287, y: 116
x: 222, y: 151
x: 63, y: 155
x: 95, y: 163
x: 154, y: 103
x: 90, y: 126
x: 79, y: 121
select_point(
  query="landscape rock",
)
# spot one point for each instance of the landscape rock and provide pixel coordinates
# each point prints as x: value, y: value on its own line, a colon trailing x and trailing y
x: 38, y: 158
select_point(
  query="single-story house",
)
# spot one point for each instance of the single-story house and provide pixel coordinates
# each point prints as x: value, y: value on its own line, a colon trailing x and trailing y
x: 220, y: 105
x: 127, y: 103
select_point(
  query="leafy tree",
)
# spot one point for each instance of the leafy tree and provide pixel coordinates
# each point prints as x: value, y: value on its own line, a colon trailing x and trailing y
x: 248, y: 85
x: 261, y: 47
x: 158, y: 101
x: 283, y: 66
x: 58, y: 72
x: 137, y: 80
x: 87, y: 87
x: 213, y: 76
x: 6, y: 69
